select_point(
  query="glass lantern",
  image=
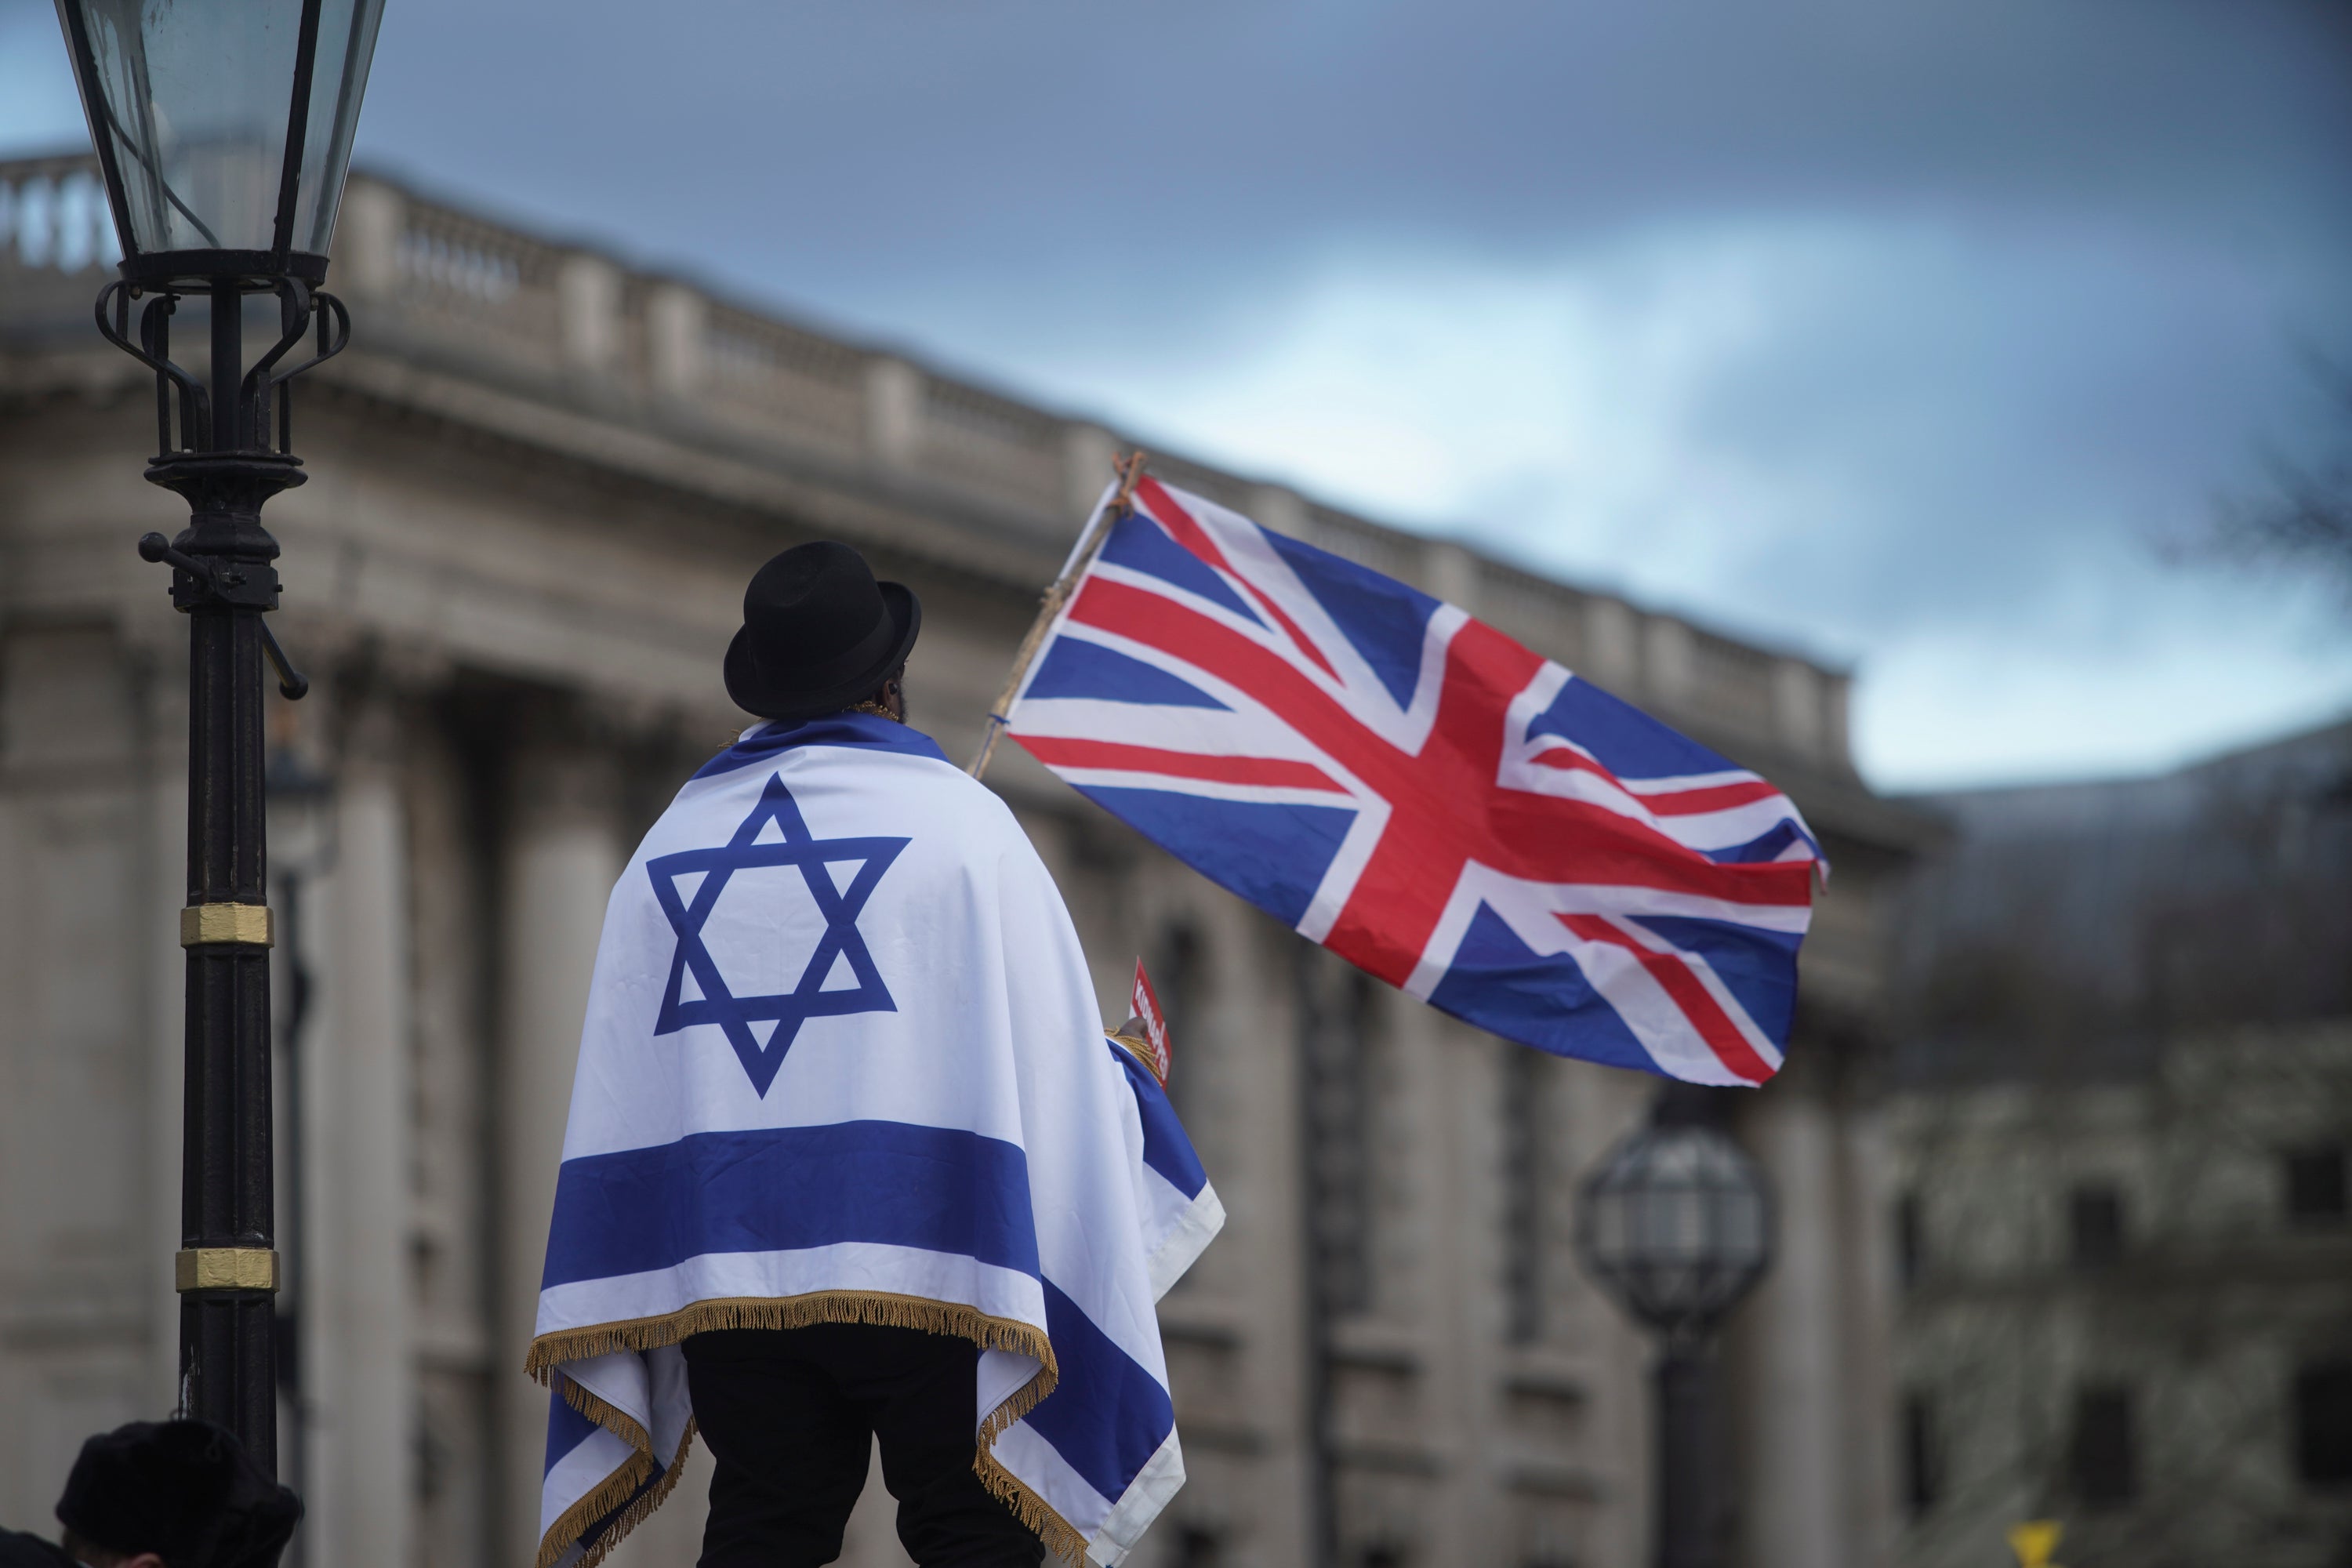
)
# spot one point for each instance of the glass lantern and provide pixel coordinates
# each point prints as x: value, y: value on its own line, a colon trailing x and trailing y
x: 1676, y: 1224
x: 223, y: 128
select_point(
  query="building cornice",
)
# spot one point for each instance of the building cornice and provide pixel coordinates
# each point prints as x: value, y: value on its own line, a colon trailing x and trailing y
x: 572, y: 352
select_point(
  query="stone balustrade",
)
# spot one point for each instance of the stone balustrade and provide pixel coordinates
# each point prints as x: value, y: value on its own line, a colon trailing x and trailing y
x: 53, y: 219
x: 421, y: 272
x: 57, y: 244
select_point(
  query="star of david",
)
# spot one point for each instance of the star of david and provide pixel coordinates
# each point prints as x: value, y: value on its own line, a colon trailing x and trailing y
x: 788, y: 1010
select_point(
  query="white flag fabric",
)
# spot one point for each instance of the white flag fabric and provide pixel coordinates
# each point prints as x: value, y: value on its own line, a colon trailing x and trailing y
x: 842, y: 1063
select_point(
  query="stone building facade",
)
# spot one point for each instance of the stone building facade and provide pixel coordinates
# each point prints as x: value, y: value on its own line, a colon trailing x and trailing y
x: 2121, y: 1114
x: 538, y: 482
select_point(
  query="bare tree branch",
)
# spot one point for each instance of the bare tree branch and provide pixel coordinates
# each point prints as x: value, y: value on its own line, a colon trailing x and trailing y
x: 2303, y: 520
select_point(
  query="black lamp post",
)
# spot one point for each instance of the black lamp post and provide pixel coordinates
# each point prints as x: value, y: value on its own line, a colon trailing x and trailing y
x: 224, y: 131
x: 1676, y: 1224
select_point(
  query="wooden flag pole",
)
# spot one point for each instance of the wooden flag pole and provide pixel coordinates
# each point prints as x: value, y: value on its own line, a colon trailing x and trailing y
x: 1130, y: 470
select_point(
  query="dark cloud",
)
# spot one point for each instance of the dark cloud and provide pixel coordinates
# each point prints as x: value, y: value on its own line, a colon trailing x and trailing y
x: 839, y: 139
x: 1897, y: 330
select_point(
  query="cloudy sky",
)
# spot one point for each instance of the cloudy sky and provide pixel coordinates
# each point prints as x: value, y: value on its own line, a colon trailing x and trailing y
x: 1903, y: 335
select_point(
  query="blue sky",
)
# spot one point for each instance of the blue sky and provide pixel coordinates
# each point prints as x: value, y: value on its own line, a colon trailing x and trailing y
x: 1903, y: 335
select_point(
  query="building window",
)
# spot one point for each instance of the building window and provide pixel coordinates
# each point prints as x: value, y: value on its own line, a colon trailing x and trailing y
x: 1197, y: 1547
x: 1177, y: 971
x: 1343, y: 1195
x: 1910, y: 1240
x: 1523, y: 1185
x: 1923, y: 1459
x: 2102, y: 1463
x: 2315, y: 1186
x: 2095, y: 1225
x: 2323, y: 1425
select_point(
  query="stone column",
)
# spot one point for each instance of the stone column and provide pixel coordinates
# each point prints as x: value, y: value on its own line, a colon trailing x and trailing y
x: 1669, y: 675
x: 158, y: 662
x: 677, y: 324
x: 1612, y: 644
x: 367, y: 240
x: 1455, y: 1082
x: 1618, y: 1442
x: 1798, y: 716
x: 894, y: 412
x: 1283, y: 511
x: 561, y: 852
x: 1088, y: 456
x: 1791, y: 1337
x: 83, y: 990
x: 1837, y: 692
x: 1255, y: 1281
x: 588, y: 292
x: 1873, y: 1520
x: 454, y: 927
x: 358, y: 1348
x: 1451, y: 572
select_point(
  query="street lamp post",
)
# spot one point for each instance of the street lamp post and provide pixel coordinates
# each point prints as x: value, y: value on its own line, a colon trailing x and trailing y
x: 1676, y: 1225
x: 223, y: 132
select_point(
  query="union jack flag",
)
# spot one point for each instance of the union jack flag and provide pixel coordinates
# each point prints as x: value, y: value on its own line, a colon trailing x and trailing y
x: 1418, y: 793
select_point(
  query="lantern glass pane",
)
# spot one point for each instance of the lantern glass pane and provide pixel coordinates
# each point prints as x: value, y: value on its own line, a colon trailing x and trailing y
x: 1676, y: 1225
x: 193, y: 99
x: 347, y: 31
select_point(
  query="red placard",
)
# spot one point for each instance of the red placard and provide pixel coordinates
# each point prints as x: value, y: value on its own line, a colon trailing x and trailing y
x: 1155, y: 1023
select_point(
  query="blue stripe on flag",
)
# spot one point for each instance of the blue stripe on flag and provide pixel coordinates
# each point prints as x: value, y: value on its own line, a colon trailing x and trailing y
x: 1385, y: 621
x: 869, y: 732
x: 1621, y: 737
x: 566, y: 1429
x: 1113, y: 1414
x: 1075, y: 668
x: 1498, y: 982
x: 1273, y: 855
x: 782, y: 1189
x: 1142, y: 545
x: 1166, y: 1148
x: 1765, y: 845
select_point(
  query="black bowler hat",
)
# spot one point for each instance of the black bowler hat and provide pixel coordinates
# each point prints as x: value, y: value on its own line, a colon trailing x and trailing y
x: 185, y: 1490
x: 818, y: 632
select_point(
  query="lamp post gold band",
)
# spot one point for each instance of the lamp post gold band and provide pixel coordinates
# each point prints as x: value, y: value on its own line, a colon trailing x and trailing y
x: 245, y: 924
x: 225, y: 1269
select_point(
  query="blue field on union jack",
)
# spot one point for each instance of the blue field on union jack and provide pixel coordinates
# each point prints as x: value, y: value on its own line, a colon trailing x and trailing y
x: 1415, y: 791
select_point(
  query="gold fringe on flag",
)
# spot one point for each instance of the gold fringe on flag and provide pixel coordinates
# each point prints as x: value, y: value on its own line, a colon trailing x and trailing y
x: 597, y: 1504
x: 549, y: 1352
x: 577, y: 1519
x: 619, y: 1423
x: 643, y: 1505
x: 1061, y: 1537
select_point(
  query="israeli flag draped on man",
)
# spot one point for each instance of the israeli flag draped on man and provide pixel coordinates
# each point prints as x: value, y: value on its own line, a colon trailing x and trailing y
x: 833, y: 974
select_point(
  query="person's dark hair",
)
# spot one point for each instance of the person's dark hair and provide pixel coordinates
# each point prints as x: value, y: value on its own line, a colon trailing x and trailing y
x: 878, y: 699
x: 89, y: 1552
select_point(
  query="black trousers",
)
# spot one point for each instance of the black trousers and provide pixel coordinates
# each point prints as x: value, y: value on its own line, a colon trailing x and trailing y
x: 792, y: 1415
